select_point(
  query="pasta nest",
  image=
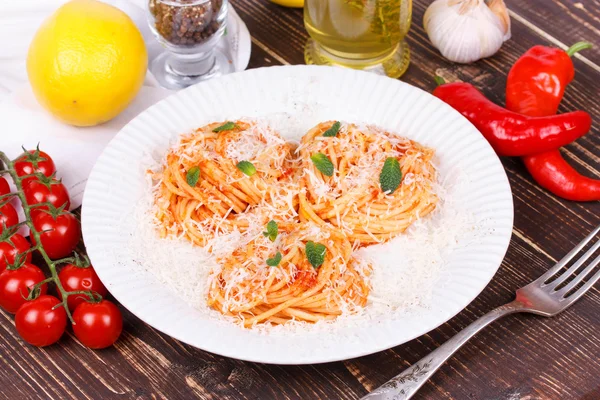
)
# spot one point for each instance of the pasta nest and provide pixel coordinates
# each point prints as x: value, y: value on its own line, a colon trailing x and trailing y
x: 247, y: 288
x: 352, y: 199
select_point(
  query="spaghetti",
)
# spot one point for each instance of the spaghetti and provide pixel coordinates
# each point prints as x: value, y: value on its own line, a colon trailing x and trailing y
x: 223, y: 196
x: 236, y: 176
x: 248, y: 289
x: 351, y: 199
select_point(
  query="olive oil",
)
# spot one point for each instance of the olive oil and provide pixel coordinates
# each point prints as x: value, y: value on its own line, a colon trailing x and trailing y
x: 358, y: 33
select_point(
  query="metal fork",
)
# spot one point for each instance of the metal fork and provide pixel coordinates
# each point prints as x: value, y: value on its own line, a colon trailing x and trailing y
x: 544, y: 297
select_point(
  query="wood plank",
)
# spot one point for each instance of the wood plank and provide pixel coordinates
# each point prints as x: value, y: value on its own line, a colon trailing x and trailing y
x: 563, y: 219
x: 567, y: 21
x: 519, y: 357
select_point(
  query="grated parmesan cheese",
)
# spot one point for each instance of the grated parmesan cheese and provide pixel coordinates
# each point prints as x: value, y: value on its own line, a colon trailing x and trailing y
x: 405, y: 269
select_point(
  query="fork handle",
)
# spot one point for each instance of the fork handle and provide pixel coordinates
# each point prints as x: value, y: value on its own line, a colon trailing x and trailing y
x: 406, y: 384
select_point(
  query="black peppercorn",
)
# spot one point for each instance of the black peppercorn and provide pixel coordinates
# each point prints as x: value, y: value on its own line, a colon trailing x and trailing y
x: 187, y: 23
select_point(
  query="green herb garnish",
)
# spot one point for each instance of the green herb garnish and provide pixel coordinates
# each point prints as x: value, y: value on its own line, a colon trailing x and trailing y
x: 272, y: 231
x: 333, y: 131
x: 274, y: 262
x: 192, y: 176
x: 390, y: 176
x: 315, y: 253
x: 246, y: 167
x: 227, y: 126
x: 323, y: 163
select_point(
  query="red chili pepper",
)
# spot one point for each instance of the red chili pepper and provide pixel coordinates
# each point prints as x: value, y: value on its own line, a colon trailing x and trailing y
x: 535, y: 86
x: 510, y: 133
x: 553, y: 173
x: 537, y: 81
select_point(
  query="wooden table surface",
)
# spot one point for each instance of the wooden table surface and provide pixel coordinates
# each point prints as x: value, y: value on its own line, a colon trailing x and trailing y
x: 520, y: 357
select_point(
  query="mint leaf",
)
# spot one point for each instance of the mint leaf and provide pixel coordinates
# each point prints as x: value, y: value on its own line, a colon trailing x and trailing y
x: 192, y: 176
x: 274, y: 262
x: 227, y: 126
x: 272, y: 231
x: 315, y: 253
x: 323, y: 163
x: 333, y: 131
x: 246, y: 167
x: 390, y: 176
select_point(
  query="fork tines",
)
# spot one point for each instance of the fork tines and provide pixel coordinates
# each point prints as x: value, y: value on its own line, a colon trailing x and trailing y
x: 563, y: 284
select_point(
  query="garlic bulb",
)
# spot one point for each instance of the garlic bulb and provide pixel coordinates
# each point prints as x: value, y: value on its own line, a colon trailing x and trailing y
x: 465, y: 31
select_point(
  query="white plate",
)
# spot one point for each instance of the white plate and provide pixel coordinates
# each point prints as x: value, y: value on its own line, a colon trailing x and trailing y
x: 117, y: 181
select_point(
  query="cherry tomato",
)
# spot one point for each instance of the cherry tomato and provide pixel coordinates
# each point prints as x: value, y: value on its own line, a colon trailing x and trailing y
x: 37, y: 192
x: 75, y: 278
x: 39, y: 323
x: 15, y: 285
x: 8, y: 216
x: 11, y: 248
x: 4, y: 188
x: 24, y: 165
x: 59, y: 236
x: 97, y: 325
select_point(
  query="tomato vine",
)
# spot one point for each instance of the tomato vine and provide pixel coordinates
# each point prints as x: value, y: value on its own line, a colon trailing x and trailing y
x: 9, y: 168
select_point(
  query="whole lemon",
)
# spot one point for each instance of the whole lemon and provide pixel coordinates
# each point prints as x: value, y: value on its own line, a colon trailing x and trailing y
x: 86, y: 62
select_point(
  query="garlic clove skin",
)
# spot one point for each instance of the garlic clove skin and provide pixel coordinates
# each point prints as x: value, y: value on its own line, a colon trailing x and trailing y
x: 499, y: 8
x: 465, y: 31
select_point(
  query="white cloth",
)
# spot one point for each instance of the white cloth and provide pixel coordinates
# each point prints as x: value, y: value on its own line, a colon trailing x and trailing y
x: 75, y: 150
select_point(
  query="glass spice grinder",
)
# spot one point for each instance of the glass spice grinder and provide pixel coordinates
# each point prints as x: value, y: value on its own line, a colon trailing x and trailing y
x: 189, y: 30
